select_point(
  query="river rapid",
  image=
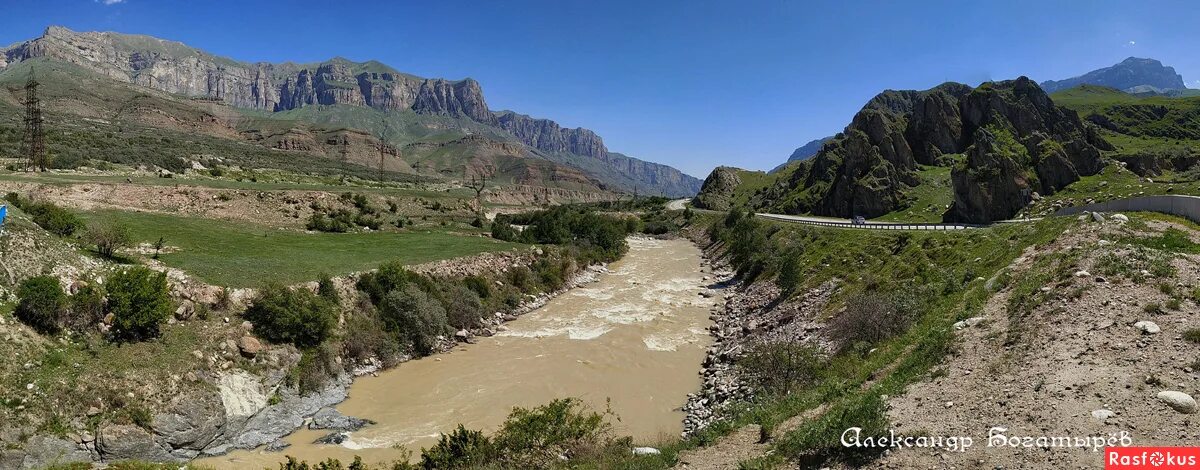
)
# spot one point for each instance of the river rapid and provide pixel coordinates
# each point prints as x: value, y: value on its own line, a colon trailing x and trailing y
x: 632, y: 341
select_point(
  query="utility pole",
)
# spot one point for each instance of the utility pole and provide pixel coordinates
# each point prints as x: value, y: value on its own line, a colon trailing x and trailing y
x: 33, y: 145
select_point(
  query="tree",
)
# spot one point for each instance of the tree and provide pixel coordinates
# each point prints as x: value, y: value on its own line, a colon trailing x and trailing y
x: 463, y: 307
x: 108, y: 238
x: 296, y: 316
x: 139, y: 300
x: 412, y: 314
x: 42, y: 303
x: 158, y: 246
x: 478, y: 183
x: 327, y: 290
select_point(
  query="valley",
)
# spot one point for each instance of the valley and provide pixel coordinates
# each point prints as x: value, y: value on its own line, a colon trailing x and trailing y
x: 214, y: 263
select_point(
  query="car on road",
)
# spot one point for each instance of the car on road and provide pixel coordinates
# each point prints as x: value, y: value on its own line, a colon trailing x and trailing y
x: 858, y: 220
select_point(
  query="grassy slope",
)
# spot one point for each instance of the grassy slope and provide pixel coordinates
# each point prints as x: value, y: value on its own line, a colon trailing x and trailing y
x: 241, y: 255
x: 929, y: 200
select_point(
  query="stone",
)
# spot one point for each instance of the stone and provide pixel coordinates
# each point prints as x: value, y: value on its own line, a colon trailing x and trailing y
x: 967, y: 323
x: 1102, y: 414
x: 1097, y: 217
x: 1147, y: 327
x: 332, y: 419
x: 1082, y: 273
x: 185, y: 310
x: 645, y: 451
x: 129, y: 442
x: 1120, y: 218
x: 192, y: 422
x: 43, y: 451
x: 277, y: 445
x: 333, y: 438
x: 1178, y: 401
x: 249, y: 346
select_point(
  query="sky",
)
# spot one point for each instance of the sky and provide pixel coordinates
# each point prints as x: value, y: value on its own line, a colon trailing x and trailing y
x: 693, y: 84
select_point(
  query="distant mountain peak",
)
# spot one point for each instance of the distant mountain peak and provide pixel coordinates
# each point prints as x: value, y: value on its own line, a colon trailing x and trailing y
x: 1133, y: 75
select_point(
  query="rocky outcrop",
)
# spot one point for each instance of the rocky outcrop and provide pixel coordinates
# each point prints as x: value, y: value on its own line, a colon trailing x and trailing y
x: 547, y: 135
x: 1133, y: 75
x: 717, y: 192
x: 868, y: 169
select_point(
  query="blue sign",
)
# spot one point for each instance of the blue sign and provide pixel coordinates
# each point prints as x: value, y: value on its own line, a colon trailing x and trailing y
x: 3, y: 214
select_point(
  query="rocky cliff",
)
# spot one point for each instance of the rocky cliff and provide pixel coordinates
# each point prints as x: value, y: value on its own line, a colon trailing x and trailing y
x: 177, y: 68
x: 1132, y: 75
x: 718, y: 189
x: 1016, y: 142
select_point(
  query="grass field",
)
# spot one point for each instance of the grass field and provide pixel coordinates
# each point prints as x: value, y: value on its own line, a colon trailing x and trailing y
x: 929, y: 200
x: 246, y: 255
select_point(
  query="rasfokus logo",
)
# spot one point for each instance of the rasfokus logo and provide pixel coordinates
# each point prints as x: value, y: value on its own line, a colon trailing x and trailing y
x: 1158, y: 458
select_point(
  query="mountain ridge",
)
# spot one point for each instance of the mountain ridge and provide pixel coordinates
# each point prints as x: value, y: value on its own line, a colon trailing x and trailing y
x: 177, y: 68
x: 1132, y: 75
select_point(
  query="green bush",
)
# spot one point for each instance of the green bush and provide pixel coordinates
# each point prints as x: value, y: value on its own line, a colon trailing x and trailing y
x: 478, y: 284
x: 463, y: 307
x: 107, y: 238
x: 42, y: 304
x: 327, y: 290
x: 415, y: 317
x: 390, y: 277
x: 780, y: 367
x: 296, y: 316
x: 366, y: 338
x: 459, y: 449
x: 53, y: 218
x: 1192, y: 334
x: 87, y: 306
x: 504, y: 231
x: 317, y: 366
x: 536, y: 438
x: 140, y: 301
x: 873, y: 317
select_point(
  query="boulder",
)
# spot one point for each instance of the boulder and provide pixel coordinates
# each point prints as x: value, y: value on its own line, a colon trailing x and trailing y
x: 1103, y: 414
x: 1147, y: 327
x: 192, y: 422
x: 249, y: 346
x: 645, y: 451
x: 130, y: 442
x: 332, y: 419
x: 185, y: 310
x: 1120, y: 218
x: 43, y: 451
x: 1178, y: 401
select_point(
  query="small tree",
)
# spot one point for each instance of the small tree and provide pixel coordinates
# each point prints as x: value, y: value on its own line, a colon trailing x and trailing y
x: 158, y: 246
x: 414, y: 316
x: 327, y: 290
x: 42, y: 303
x: 87, y: 306
x: 108, y: 238
x: 140, y: 300
x: 463, y: 307
x: 297, y: 316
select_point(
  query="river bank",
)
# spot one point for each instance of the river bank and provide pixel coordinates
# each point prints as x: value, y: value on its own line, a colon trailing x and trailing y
x: 626, y: 339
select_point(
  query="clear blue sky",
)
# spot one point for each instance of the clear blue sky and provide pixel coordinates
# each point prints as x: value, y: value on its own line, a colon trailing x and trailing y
x: 693, y: 84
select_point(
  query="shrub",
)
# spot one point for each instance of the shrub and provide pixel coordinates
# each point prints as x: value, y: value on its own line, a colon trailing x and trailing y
x: 791, y: 273
x: 463, y: 307
x: 366, y: 338
x: 504, y: 231
x: 781, y: 366
x: 536, y: 438
x: 317, y: 365
x: 53, y: 218
x: 108, y: 238
x: 42, y: 303
x: 87, y: 306
x: 327, y: 290
x: 139, y: 300
x: 872, y: 317
x: 387, y: 278
x: 296, y: 316
x: 415, y: 317
x: 459, y: 449
x: 1192, y: 335
x: 479, y: 285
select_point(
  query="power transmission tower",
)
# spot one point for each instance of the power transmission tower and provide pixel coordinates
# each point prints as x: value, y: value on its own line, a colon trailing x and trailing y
x: 382, y: 136
x: 345, y: 151
x: 33, y: 145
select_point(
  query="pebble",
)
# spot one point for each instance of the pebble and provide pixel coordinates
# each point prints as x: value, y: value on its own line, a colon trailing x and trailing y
x: 1178, y: 401
x: 1147, y: 327
x: 645, y: 451
x: 1103, y: 414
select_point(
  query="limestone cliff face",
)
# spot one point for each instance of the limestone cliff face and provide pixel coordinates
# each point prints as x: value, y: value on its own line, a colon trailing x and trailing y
x: 177, y: 68
x: 718, y: 190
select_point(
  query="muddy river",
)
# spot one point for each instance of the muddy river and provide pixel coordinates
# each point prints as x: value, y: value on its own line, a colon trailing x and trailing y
x: 634, y: 339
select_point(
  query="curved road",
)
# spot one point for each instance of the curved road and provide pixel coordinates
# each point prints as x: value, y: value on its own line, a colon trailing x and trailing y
x: 679, y: 204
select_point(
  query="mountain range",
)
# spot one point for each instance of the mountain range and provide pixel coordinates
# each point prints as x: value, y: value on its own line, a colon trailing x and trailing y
x: 1132, y: 75
x: 426, y: 119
